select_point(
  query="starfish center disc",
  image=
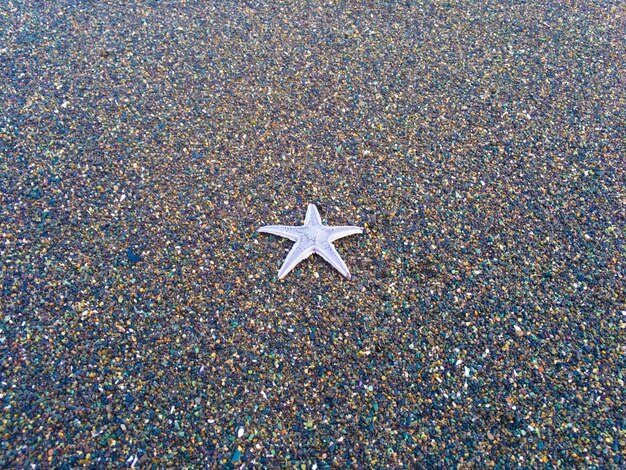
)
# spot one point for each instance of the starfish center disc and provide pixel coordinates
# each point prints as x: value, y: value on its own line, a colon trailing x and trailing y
x: 320, y: 238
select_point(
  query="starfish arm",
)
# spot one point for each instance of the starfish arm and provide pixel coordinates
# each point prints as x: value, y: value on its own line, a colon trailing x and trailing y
x: 299, y: 252
x: 335, y: 233
x: 284, y: 231
x: 312, y: 215
x: 329, y: 253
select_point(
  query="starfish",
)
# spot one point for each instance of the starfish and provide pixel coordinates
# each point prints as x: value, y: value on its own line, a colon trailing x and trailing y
x: 312, y: 237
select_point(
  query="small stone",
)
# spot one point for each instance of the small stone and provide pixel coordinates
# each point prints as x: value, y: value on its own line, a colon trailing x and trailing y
x: 132, y: 257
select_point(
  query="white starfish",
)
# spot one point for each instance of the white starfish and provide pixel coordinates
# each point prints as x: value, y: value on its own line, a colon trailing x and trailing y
x: 312, y: 237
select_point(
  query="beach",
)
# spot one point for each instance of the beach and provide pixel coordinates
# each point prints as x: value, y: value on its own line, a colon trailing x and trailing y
x: 481, y: 147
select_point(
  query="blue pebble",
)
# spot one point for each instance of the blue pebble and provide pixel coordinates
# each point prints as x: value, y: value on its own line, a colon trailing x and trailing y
x: 132, y: 257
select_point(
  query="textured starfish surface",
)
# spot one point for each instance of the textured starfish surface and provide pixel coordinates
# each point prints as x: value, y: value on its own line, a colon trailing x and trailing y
x: 312, y: 237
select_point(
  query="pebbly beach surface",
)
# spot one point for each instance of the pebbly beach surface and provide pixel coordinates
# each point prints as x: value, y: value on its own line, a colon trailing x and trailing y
x: 482, y: 147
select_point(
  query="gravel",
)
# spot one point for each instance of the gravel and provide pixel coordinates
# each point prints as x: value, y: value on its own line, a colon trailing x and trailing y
x: 480, y: 144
